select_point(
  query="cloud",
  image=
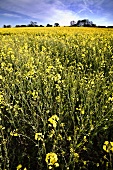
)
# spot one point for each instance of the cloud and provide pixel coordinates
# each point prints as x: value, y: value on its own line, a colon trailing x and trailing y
x: 11, y: 15
x: 84, y: 7
x: 62, y: 11
x: 94, y: 2
x: 63, y: 17
x: 44, y: 10
x: 91, y: 5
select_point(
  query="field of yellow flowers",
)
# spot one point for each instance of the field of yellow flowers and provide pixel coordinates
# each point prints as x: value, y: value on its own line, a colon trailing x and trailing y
x: 56, y: 98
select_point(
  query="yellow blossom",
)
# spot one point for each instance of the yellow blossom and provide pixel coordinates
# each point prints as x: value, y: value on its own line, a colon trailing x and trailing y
x: 69, y: 138
x: 25, y: 168
x: 1, y: 77
x: 19, y: 167
x: 104, y: 147
x: 14, y: 133
x: 82, y: 111
x: 111, y: 144
x: 106, y: 142
x: 39, y: 136
x: 51, y: 159
x: 53, y: 120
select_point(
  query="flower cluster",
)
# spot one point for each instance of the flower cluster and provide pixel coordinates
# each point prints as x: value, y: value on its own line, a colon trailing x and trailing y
x: 51, y: 160
x: 53, y: 120
x: 108, y: 146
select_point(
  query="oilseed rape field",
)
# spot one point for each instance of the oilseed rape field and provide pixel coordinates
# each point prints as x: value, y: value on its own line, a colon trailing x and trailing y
x: 56, y: 98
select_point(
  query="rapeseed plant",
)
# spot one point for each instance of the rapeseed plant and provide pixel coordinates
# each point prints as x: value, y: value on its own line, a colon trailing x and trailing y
x: 39, y: 136
x: 19, y: 167
x: 51, y: 160
x: 108, y: 146
x: 53, y: 120
x: 56, y: 89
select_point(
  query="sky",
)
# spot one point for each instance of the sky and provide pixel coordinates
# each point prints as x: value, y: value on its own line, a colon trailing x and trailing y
x: 17, y: 12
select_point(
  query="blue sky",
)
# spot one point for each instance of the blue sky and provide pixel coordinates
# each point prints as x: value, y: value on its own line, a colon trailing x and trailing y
x: 15, y: 12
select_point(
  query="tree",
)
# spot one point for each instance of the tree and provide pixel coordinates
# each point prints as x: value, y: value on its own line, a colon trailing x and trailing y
x: 41, y: 26
x: 56, y: 24
x: 93, y: 25
x: 48, y: 25
x: 85, y: 23
x: 78, y: 23
x: 32, y: 24
x: 72, y: 23
x: 109, y: 26
x: 6, y: 26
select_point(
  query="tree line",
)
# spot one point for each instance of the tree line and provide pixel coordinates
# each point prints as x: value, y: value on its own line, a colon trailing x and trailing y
x: 86, y: 23
x: 32, y: 24
x: 79, y: 23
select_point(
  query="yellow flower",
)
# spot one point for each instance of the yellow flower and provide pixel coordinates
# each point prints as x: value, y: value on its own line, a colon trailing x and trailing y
x: 107, y: 146
x: 111, y: 149
x: 85, y: 162
x: 104, y: 147
x: 62, y: 124
x: 14, y: 133
x: 57, y: 164
x: 11, y: 133
x: 111, y: 144
x: 53, y: 120
x: 39, y: 136
x: 106, y: 142
x: 76, y: 157
x: 69, y: 138
x: 97, y: 164
x: 52, y: 132
x: 71, y: 150
x: 82, y: 111
x: 1, y: 77
x: 50, y: 167
x: 58, y: 98
x: 19, y: 167
x: 51, y: 159
x: 83, y: 55
x: 85, y: 139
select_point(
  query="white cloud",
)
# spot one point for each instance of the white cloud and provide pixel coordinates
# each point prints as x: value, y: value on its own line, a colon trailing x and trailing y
x: 42, y: 10
x: 94, y: 2
x: 63, y: 17
x: 103, y: 20
x: 11, y: 15
x: 51, y: 11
